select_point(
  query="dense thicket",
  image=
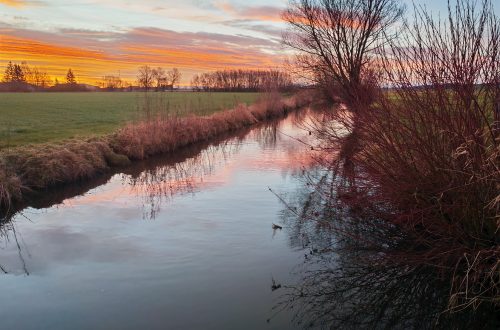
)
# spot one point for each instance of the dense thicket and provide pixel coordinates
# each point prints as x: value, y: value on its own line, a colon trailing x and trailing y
x: 423, y: 155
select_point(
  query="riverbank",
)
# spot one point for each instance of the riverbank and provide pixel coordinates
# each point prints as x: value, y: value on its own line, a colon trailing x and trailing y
x: 27, y: 169
x: 34, y: 118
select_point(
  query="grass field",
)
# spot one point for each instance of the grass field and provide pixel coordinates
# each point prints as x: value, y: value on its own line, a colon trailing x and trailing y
x: 27, y: 118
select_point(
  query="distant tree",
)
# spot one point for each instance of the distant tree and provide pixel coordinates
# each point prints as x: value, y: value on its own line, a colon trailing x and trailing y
x: 15, y: 73
x: 15, y: 78
x: 27, y: 72
x: 111, y: 82
x: 195, y: 83
x: 40, y: 78
x: 242, y: 81
x: 9, y: 73
x: 174, y: 77
x: 18, y: 75
x: 34, y: 75
x: 145, y: 77
x: 56, y: 82
x: 70, y: 77
x: 160, y: 78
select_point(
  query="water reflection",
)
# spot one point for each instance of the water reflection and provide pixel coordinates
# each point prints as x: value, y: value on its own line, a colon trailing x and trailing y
x: 345, y: 280
x: 8, y: 234
x: 151, y: 184
x: 213, y: 165
x: 159, y: 185
x: 186, y: 171
x: 209, y: 260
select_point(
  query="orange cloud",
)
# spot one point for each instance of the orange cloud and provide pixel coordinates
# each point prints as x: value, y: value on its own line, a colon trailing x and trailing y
x: 15, y: 3
x: 12, y: 3
x: 22, y: 46
x: 94, y: 54
x: 55, y: 59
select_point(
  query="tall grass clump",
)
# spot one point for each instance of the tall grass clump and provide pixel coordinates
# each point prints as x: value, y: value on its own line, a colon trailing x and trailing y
x: 430, y: 149
x: 47, y: 165
x: 10, y: 188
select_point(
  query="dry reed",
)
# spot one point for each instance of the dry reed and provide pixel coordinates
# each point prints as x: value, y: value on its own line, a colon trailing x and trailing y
x: 165, y: 134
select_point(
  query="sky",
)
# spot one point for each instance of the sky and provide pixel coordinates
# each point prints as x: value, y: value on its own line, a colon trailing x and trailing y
x: 114, y: 37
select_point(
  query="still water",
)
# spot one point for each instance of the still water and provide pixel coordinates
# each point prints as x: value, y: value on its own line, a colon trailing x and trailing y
x: 179, y: 242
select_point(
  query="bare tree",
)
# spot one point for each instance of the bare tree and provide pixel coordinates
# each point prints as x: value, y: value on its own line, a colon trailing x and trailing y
x: 40, y: 78
x: 111, y: 82
x: 145, y: 77
x: 336, y: 40
x: 34, y: 75
x: 195, y: 83
x: 27, y: 72
x: 242, y: 81
x: 160, y: 78
x: 173, y: 77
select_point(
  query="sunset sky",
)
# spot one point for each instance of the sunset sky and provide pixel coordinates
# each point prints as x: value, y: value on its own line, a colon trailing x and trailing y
x: 115, y: 37
x: 97, y: 38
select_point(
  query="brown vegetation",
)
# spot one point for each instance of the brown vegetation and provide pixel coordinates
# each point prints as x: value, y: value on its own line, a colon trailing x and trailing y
x: 433, y: 152
x: 165, y: 134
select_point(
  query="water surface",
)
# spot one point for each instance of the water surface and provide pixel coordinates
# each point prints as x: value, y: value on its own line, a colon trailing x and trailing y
x: 179, y: 242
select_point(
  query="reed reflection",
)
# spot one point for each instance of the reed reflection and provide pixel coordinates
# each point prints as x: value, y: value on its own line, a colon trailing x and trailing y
x: 10, y: 236
x: 211, y: 166
x: 158, y: 185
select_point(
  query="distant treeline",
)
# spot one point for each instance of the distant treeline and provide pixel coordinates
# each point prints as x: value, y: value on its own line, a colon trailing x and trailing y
x: 242, y: 81
x: 25, y: 78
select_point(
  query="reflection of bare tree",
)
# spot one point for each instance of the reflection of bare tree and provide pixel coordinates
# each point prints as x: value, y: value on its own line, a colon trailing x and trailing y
x: 157, y: 184
x: 9, y: 234
x: 161, y: 183
x: 345, y: 280
x: 267, y: 135
x: 346, y: 294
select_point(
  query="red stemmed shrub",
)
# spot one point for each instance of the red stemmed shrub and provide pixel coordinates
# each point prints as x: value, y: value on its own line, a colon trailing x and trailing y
x: 430, y: 147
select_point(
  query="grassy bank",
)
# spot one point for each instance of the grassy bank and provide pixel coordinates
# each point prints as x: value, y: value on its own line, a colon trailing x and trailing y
x: 37, y: 167
x: 27, y: 118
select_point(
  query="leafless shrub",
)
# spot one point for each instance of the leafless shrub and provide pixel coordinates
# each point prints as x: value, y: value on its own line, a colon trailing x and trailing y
x: 431, y: 146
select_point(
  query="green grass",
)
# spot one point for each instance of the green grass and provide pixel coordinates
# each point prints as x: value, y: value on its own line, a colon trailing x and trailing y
x: 30, y: 118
